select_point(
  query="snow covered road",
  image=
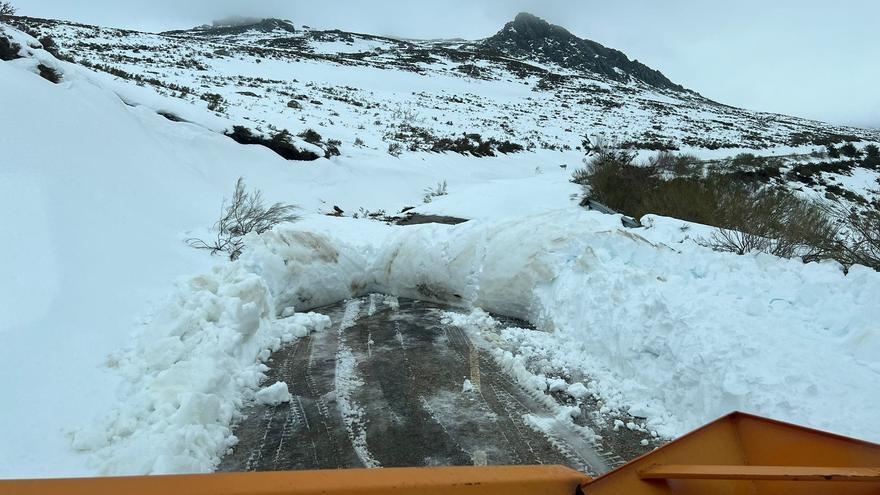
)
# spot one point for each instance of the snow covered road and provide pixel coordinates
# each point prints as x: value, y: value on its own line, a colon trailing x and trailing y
x: 392, y: 385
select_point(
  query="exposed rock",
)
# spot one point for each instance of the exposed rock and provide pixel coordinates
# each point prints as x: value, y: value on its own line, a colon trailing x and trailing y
x: 528, y: 36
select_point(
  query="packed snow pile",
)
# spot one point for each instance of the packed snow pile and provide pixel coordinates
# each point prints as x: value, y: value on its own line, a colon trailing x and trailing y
x: 679, y: 336
x: 189, y: 372
x: 665, y: 329
x: 274, y: 394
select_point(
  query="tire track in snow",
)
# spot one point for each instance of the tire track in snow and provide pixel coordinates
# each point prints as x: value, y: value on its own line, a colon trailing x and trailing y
x: 347, y: 381
x: 313, y: 434
x: 399, y: 401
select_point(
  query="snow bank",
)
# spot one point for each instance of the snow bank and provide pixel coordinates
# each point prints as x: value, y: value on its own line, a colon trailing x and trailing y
x: 189, y: 372
x: 664, y: 328
x: 304, y: 269
x: 680, y: 337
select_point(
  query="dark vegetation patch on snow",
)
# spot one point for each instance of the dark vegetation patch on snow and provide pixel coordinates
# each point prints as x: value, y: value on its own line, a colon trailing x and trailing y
x: 49, y: 74
x: 415, y: 138
x: 9, y: 50
x: 279, y: 143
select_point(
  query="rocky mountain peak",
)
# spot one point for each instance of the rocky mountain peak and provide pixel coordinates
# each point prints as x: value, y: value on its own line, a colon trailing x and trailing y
x: 533, y: 27
x: 530, y: 37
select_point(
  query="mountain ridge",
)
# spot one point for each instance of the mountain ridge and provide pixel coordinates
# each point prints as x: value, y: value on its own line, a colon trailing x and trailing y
x: 388, y: 92
x: 529, y: 35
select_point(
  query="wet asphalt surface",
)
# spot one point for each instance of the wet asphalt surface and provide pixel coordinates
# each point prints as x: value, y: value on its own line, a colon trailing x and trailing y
x: 384, y: 387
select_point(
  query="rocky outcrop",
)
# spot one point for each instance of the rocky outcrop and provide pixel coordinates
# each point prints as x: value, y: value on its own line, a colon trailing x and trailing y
x: 530, y: 37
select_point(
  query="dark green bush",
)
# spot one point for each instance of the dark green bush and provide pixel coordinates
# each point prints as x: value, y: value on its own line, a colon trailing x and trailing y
x: 8, y: 49
x: 832, y: 151
x: 49, y: 74
x: 849, y: 150
x: 7, y: 9
x: 50, y: 46
x: 872, y: 156
x: 508, y: 147
x: 310, y: 136
x: 215, y: 102
x: 279, y: 143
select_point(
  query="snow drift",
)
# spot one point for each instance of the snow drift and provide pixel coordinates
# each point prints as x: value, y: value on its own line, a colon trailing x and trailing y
x: 189, y: 373
x: 677, y: 335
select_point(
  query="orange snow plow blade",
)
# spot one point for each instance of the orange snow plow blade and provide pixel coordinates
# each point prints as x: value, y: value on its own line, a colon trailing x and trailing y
x: 737, y: 454
x: 514, y: 480
x: 745, y: 454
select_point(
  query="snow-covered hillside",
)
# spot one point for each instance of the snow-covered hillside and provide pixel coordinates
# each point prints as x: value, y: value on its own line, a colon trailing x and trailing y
x: 533, y: 84
x: 106, y: 367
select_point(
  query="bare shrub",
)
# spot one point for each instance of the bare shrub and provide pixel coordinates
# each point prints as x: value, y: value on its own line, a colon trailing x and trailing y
x: 859, y: 238
x: 435, y: 192
x: 244, y: 213
x: 677, y: 165
x: 395, y: 150
x: 749, y: 216
x: 778, y: 223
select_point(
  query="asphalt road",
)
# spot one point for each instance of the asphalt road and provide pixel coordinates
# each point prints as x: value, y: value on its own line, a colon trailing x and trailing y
x: 384, y: 387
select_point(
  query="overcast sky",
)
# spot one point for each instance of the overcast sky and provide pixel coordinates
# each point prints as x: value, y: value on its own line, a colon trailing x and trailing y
x: 809, y: 58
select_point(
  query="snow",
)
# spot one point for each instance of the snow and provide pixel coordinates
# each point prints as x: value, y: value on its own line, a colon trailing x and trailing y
x: 273, y: 395
x: 678, y: 346
x: 189, y: 372
x: 127, y: 352
x: 577, y: 390
x: 348, y: 380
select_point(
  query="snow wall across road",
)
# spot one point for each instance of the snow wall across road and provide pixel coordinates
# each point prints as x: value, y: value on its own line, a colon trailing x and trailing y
x: 680, y: 334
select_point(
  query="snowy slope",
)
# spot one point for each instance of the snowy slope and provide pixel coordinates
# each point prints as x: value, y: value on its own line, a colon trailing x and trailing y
x: 351, y: 86
x: 108, y: 368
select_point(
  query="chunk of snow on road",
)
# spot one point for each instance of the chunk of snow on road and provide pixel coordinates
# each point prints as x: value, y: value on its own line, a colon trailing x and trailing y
x: 297, y: 325
x: 556, y: 384
x: 274, y: 394
x: 477, y: 319
x: 577, y: 390
x: 467, y: 386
